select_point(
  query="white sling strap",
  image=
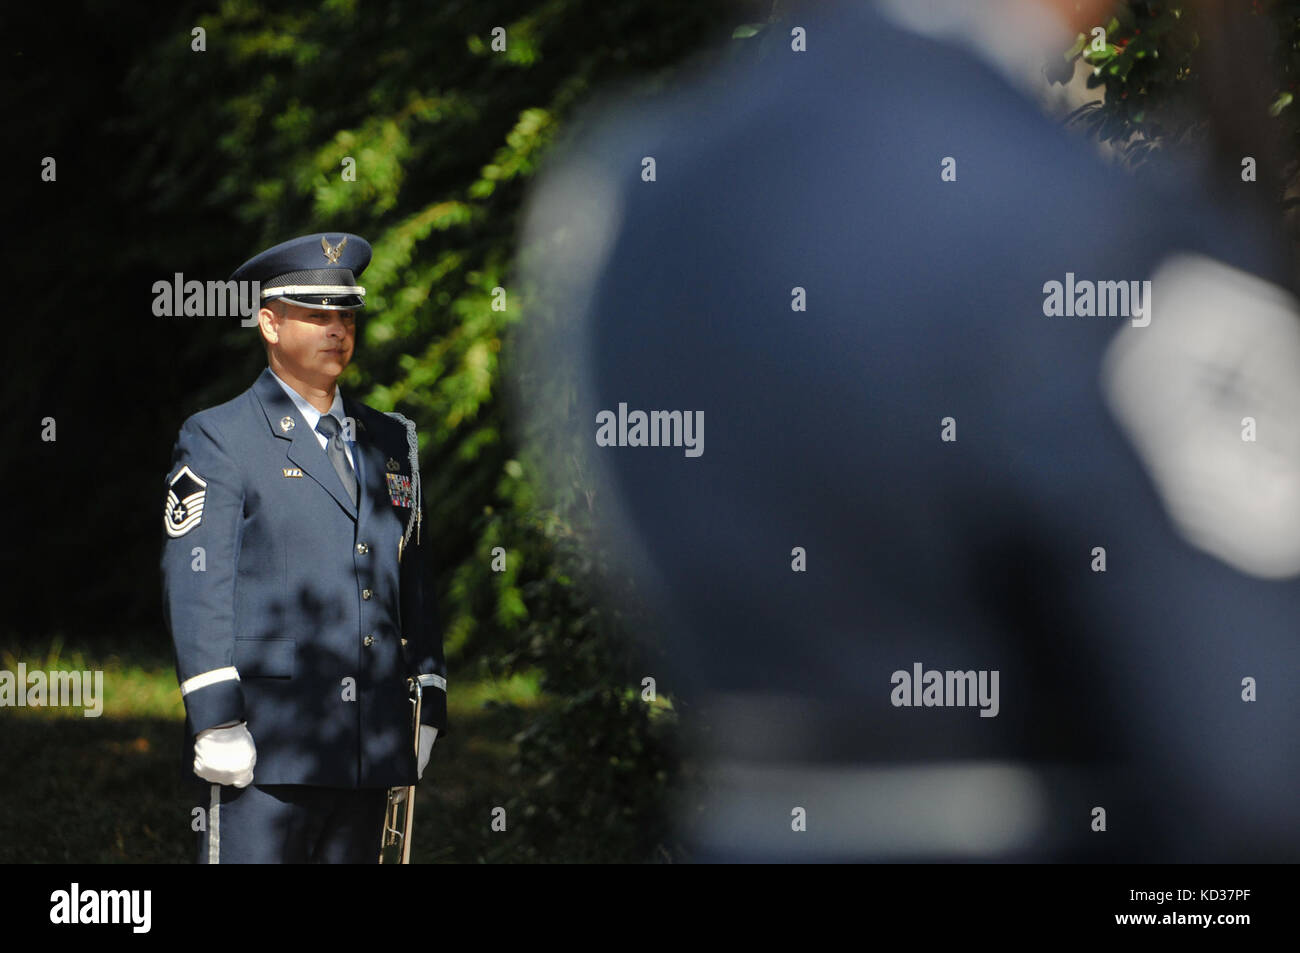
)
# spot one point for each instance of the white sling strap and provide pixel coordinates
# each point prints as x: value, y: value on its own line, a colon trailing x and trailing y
x: 214, y: 826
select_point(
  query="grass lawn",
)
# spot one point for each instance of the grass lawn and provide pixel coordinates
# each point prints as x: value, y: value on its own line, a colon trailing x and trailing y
x: 110, y: 789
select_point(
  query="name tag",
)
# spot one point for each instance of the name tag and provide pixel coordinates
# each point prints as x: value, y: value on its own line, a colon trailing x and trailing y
x: 292, y: 472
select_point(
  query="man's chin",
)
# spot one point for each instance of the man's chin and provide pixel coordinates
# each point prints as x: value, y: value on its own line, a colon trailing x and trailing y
x: 321, y: 374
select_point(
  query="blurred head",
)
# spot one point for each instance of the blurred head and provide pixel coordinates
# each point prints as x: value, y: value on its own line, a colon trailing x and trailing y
x: 1080, y: 14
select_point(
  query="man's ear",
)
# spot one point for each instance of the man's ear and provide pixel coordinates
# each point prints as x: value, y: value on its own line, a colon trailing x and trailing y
x: 269, y: 325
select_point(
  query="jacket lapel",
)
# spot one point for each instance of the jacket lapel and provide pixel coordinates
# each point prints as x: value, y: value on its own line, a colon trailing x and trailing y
x: 304, y: 449
x: 374, y: 486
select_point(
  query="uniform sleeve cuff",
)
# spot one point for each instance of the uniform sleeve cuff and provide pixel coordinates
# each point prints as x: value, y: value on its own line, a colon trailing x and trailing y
x: 433, y: 712
x: 214, y: 704
x: 432, y: 681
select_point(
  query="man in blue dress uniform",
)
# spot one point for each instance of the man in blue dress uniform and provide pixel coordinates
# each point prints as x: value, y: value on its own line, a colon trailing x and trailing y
x: 295, y: 585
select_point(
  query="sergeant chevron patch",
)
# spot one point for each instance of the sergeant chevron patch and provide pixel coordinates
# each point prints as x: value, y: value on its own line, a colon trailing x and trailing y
x: 183, y: 509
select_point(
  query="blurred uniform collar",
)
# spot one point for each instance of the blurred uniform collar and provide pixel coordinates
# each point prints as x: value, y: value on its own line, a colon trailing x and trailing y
x: 1012, y: 36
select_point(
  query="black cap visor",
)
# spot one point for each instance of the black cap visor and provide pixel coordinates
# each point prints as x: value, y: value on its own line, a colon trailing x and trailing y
x: 331, y: 302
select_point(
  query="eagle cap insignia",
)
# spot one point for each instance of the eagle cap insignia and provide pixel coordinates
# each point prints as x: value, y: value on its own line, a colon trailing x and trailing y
x: 392, y: 465
x: 332, y: 252
x: 286, y: 424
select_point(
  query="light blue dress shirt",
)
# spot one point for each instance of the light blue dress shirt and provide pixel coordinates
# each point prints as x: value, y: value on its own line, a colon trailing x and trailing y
x: 312, y: 416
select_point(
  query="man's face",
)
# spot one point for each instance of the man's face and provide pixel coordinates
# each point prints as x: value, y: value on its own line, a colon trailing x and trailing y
x: 315, y: 345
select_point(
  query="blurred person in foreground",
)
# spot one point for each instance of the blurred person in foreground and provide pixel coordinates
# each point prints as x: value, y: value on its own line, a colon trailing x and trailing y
x: 988, y: 549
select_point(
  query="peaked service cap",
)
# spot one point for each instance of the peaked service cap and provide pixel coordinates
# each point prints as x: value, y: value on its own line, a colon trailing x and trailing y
x: 314, y: 271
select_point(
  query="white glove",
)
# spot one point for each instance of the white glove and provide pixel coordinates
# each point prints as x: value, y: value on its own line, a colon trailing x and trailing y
x: 428, y: 735
x: 225, y: 755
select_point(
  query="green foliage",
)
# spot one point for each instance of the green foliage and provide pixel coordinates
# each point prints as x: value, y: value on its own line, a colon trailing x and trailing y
x: 1152, y: 71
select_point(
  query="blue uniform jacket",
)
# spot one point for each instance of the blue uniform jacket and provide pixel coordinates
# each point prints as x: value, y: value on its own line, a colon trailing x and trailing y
x: 289, y: 607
